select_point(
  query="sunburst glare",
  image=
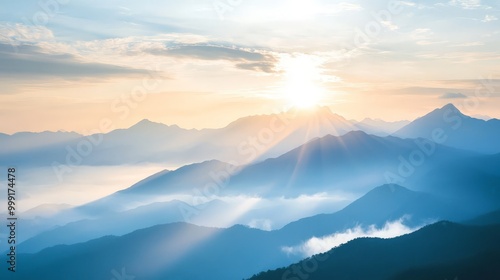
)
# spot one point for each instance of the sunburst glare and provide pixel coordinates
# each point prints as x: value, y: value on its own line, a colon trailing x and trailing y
x: 303, y: 81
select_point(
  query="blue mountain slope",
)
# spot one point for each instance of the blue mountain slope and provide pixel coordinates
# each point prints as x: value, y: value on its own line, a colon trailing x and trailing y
x: 348, y: 164
x: 382, y: 259
x: 382, y: 204
x: 150, y: 142
x: 460, y: 131
x: 120, y: 223
x: 160, y: 252
x: 169, y: 252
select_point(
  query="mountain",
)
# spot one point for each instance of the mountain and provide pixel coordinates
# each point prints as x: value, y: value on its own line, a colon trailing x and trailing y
x: 188, y: 180
x: 355, y: 161
x: 159, y: 252
x: 119, y: 223
x: 29, y: 141
x: 480, y: 266
x: 149, y: 254
x: 428, y: 253
x: 382, y: 204
x: 379, y: 127
x: 245, y: 140
x: 486, y: 219
x: 45, y: 210
x: 351, y: 164
x: 450, y: 127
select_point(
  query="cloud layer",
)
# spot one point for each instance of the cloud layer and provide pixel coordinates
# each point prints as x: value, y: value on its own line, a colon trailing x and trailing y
x: 318, y: 245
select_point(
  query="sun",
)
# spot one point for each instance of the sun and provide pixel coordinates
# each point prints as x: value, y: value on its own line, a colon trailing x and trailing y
x: 302, y: 83
x: 303, y: 94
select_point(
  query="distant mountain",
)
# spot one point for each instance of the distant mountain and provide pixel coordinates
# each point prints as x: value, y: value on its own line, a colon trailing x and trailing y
x: 173, y: 251
x: 350, y: 164
x: 34, y: 140
x: 482, y: 117
x: 118, y: 223
x: 188, y: 180
x: 428, y: 253
x: 379, y: 127
x: 490, y: 218
x: 356, y: 161
x: 169, y: 252
x: 245, y: 140
x: 45, y: 210
x: 449, y: 126
x: 382, y: 204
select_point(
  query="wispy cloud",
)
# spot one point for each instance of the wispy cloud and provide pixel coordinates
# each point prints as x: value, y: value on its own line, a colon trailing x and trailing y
x: 244, y: 58
x: 210, y: 53
x: 467, y: 4
x: 453, y: 95
x: 317, y: 245
x: 28, y: 61
x: 488, y: 18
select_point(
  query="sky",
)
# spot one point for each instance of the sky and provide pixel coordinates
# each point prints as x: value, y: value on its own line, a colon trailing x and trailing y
x: 70, y: 64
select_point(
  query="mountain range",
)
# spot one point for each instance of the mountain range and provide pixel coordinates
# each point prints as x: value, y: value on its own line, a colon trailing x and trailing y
x: 169, y: 251
x: 443, y: 250
x: 458, y: 130
x: 244, y: 140
x: 440, y: 170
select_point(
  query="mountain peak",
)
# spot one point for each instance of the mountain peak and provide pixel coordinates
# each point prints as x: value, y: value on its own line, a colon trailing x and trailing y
x: 453, y: 108
x: 389, y: 188
x: 145, y: 123
x: 444, y: 110
x: 450, y: 106
x: 356, y: 133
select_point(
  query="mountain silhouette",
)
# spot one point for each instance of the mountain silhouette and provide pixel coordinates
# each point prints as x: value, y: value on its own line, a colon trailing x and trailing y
x: 428, y: 252
x: 455, y: 130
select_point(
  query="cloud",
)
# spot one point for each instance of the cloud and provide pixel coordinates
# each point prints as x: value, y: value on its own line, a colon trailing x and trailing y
x: 245, y: 59
x: 263, y: 224
x: 209, y: 53
x: 389, y: 25
x: 19, y: 33
x: 467, y: 4
x: 338, y: 8
x: 469, y: 44
x: 257, y: 66
x: 488, y: 18
x: 317, y: 245
x: 453, y: 95
x: 29, y: 61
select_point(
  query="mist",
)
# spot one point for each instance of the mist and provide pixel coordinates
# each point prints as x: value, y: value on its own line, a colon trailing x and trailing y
x: 317, y: 245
